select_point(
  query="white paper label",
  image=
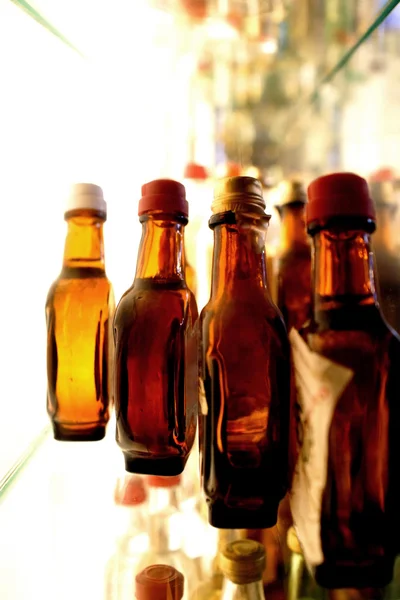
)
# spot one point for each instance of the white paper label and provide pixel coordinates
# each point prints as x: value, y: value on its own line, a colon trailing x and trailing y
x: 320, y: 383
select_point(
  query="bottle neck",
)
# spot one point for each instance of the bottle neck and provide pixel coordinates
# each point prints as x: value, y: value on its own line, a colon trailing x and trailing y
x: 242, y: 591
x: 343, y: 270
x: 293, y: 227
x: 161, y: 251
x: 84, y: 245
x: 239, y: 257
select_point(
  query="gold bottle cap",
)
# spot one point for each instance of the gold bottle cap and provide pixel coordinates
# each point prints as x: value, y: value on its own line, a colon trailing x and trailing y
x: 242, y: 561
x: 237, y: 194
x: 293, y: 541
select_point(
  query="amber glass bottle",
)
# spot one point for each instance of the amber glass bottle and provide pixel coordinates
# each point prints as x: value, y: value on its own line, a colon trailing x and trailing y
x: 345, y: 496
x: 155, y: 331
x: 294, y: 265
x: 79, y: 310
x: 245, y: 369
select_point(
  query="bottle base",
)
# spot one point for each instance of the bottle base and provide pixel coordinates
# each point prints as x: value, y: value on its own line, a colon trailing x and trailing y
x: 373, y: 575
x: 66, y: 433
x: 224, y: 517
x: 168, y: 467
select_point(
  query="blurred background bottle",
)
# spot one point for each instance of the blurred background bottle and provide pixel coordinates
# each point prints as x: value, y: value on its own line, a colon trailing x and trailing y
x: 300, y: 583
x: 159, y: 582
x: 294, y: 262
x: 212, y: 581
x: 166, y: 530
x: 132, y: 537
x: 383, y: 191
x: 199, y: 237
x: 242, y: 563
x: 79, y: 312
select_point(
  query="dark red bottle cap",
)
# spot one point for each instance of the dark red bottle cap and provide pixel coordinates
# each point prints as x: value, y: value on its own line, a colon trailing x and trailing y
x: 130, y: 491
x: 166, y: 195
x: 195, y: 171
x: 159, y: 582
x: 163, y: 482
x: 339, y: 195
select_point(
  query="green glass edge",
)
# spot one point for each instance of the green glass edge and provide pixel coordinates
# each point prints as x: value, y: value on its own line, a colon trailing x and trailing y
x: 380, y: 18
x: 34, y: 14
x: 12, y: 474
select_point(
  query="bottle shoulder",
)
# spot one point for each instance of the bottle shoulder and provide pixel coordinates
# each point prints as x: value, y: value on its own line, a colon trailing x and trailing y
x: 160, y: 304
x: 355, y: 343
x: 84, y: 289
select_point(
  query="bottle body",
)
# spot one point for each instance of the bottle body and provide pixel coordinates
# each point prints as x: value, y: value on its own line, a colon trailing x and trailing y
x: 156, y: 354
x: 245, y: 379
x: 356, y: 511
x: 79, y: 311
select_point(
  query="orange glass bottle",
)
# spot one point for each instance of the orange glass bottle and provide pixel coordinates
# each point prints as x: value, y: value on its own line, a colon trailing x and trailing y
x: 79, y: 310
x: 345, y: 494
x: 294, y: 266
x: 245, y: 369
x: 155, y: 331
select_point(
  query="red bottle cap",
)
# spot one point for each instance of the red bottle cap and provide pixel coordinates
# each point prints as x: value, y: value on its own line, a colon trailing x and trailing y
x: 233, y: 170
x: 163, y: 482
x: 166, y: 195
x: 339, y: 195
x: 195, y: 171
x: 159, y: 582
x: 130, y: 491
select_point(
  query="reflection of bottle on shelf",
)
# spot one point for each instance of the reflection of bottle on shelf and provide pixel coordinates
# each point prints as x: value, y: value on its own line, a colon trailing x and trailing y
x: 79, y: 310
x: 242, y: 562
x: 132, y: 542
x: 155, y: 336
x: 294, y: 265
x: 300, y: 583
x: 159, y: 582
x: 382, y: 187
x: 211, y: 588
x: 166, y: 529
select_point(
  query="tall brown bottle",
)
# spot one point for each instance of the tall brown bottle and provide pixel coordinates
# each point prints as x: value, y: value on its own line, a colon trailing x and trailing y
x: 294, y: 266
x: 345, y: 494
x: 79, y: 310
x: 245, y: 368
x: 155, y: 331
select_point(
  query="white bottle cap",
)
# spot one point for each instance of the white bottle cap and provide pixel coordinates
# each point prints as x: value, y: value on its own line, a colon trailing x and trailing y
x: 86, y: 195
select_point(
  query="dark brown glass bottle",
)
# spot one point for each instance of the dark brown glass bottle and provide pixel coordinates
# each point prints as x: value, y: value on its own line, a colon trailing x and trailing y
x: 79, y: 311
x: 387, y: 260
x: 294, y: 265
x: 245, y: 369
x: 358, y: 522
x: 155, y: 331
